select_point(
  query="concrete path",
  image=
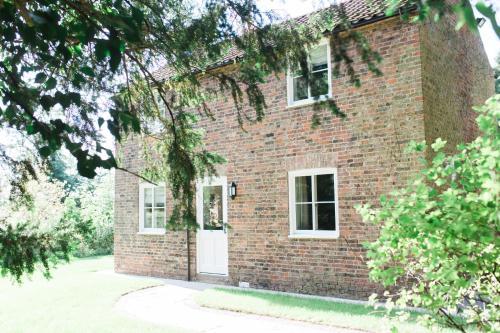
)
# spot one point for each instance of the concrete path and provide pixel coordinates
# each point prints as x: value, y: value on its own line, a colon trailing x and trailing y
x: 173, y: 304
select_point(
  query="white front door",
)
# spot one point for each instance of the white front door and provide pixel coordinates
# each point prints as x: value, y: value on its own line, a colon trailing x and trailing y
x: 211, y: 215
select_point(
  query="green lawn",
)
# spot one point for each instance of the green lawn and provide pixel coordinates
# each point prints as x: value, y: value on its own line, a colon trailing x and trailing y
x: 305, y: 309
x: 79, y: 298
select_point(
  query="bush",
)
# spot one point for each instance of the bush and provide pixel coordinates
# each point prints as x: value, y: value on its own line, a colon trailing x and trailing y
x: 438, y: 242
x: 34, y: 234
x: 90, y: 209
x: 57, y: 221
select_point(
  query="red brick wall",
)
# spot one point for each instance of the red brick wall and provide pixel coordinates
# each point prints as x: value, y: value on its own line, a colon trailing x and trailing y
x: 154, y: 255
x: 456, y: 76
x: 366, y: 148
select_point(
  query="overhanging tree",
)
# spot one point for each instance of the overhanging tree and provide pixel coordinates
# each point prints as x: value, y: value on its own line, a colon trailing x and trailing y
x: 69, y: 68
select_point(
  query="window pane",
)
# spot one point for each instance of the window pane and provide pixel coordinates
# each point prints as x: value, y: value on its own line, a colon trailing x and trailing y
x: 303, y: 189
x: 212, y: 208
x: 319, y: 58
x: 303, y: 215
x: 148, y: 218
x: 319, y: 83
x: 160, y: 218
x: 326, y: 216
x: 159, y: 196
x: 325, y: 188
x: 299, y: 89
x: 297, y: 70
x: 148, y: 197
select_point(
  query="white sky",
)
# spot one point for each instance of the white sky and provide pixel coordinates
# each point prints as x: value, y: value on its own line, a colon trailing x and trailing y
x: 293, y: 8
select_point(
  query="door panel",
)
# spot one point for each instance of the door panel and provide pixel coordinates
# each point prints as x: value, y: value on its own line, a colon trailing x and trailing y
x: 211, y: 214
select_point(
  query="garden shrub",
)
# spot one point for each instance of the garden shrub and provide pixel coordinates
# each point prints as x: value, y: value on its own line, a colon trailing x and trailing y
x: 438, y: 245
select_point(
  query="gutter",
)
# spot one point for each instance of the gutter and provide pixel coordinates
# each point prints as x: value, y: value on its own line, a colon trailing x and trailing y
x: 188, y: 246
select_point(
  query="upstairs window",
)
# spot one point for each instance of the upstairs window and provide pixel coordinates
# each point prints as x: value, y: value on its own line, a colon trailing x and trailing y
x: 152, y: 215
x: 319, y: 87
x: 313, y: 203
x: 152, y: 123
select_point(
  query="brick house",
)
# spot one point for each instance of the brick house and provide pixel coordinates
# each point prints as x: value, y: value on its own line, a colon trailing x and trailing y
x: 292, y: 222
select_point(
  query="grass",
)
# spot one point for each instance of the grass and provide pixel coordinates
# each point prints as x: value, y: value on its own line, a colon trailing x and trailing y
x: 79, y: 298
x: 311, y: 310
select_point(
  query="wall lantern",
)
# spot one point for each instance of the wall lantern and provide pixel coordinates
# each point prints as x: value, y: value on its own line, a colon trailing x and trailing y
x: 232, y: 190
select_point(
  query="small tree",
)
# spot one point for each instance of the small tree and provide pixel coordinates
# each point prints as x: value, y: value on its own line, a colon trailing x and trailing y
x: 438, y: 245
x: 35, y: 235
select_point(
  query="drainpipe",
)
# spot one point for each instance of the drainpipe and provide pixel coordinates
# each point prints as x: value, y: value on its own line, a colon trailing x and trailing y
x: 188, y: 255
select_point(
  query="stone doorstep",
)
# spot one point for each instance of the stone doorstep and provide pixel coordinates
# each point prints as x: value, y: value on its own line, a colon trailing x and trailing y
x: 212, y: 279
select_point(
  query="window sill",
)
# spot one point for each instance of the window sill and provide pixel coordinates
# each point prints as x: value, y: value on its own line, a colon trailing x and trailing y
x: 308, y: 102
x: 313, y: 236
x: 152, y: 232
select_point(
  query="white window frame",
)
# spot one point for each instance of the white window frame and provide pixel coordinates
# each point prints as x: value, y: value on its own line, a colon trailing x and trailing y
x: 142, y: 229
x: 310, y: 99
x: 327, y: 234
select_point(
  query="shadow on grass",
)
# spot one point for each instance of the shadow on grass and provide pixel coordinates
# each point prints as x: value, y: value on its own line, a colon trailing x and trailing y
x: 306, y: 303
x: 309, y: 309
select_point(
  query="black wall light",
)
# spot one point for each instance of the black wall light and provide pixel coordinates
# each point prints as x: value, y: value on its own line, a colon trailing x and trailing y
x: 232, y: 190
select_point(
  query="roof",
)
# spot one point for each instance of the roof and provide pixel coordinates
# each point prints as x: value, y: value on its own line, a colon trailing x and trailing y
x: 358, y: 12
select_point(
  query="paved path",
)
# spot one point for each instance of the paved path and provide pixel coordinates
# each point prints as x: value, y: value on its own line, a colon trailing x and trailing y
x: 172, y: 304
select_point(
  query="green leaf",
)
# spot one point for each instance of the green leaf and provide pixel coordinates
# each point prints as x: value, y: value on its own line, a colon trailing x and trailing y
x: 31, y: 129
x: 438, y: 144
x: 414, y: 146
x: 101, y: 50
x: 45, y: 151
x: 40, y: 78
x: 484, y: 9
x: 47, y: 102
x: 85, y: 167
x: 115, y: 59
x: 62, y: 99
x: 87, y: 71
x: 51, y: 83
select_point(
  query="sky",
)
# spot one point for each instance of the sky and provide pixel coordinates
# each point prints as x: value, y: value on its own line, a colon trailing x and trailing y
x: 293, y: 8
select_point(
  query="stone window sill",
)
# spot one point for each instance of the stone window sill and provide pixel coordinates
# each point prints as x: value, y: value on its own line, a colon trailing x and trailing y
x: 313, y: 236
x: 308, y: 102
x: 152, y: 232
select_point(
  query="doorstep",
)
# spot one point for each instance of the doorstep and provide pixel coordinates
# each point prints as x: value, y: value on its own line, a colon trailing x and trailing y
x: 212, y: 278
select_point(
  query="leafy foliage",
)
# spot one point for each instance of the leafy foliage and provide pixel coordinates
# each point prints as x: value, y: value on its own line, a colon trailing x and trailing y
x: 56, y: 224
x: 439, y: 242
x: 90, y: 211
x: 437, y: 9
x: 88, y: 206
x: 60, y: 168
x: 35, y: 235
